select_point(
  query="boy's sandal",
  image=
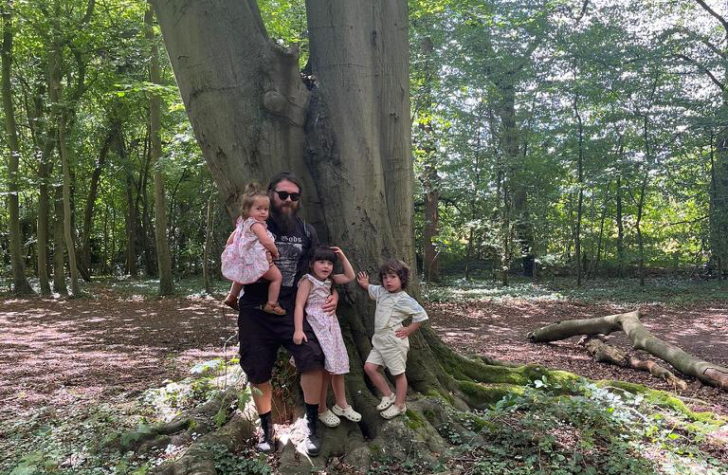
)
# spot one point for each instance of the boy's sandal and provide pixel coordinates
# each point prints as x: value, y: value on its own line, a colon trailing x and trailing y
x: 328, y: 418
x: 386, y: 402
x: 393, y: 411
x: 349, y: 413
x: 274, y: 309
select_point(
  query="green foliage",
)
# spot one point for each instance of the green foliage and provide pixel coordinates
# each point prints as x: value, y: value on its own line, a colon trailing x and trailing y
x: 579, y: 427
x: 229, y: 463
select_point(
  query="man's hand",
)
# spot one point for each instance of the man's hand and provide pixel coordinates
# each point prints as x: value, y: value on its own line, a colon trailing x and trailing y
x: 299, y: 337
x: 403, y: 332
x: 331, y: 303
x: 363, y: 279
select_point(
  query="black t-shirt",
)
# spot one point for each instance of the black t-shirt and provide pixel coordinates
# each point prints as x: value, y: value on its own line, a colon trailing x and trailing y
x: 293, y: 257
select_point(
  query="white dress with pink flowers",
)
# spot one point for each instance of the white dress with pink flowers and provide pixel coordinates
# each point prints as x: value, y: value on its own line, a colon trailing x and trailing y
x: 326, y: 326
x: 245, y: 260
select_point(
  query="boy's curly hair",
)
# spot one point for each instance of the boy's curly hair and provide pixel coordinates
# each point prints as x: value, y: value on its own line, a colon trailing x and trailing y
x: 397, y: 267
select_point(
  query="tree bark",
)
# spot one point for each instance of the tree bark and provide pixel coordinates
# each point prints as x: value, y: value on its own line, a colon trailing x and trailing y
x: 20, y: 282
x: 164, y: 262
x: 208, y: 243
x: 605, y: 353
x: 620, y: 230
x: 641, y: 339
x: 59, y: 274
x: 580, y: 200
x: 92, y: 194
x: 347, y: 138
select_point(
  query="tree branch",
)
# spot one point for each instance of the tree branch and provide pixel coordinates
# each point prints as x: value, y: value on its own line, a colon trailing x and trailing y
x: 703, y: 69
x: 713, y: 12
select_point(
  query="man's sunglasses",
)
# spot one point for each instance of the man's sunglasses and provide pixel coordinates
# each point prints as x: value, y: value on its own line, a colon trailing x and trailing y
x: 284, y: 195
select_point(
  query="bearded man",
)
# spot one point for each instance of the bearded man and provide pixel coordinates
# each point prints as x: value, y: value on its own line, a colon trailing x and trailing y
x: 261, y: 334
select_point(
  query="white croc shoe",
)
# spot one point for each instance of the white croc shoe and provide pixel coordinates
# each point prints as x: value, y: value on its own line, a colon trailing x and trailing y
x: 349, y: 413
x: 386, y: 402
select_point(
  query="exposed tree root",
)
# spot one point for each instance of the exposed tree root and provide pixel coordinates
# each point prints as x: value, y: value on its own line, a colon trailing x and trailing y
x: 180, y: 429
x: 606, y: 353
x: 641, y: 339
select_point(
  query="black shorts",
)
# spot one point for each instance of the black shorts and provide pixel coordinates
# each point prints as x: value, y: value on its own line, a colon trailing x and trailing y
x: 261, y: 334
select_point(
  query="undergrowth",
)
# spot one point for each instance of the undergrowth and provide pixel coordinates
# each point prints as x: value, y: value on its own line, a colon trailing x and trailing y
x: 669, y: 291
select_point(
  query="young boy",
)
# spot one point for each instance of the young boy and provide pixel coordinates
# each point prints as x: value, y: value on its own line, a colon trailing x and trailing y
x: 390, y: 341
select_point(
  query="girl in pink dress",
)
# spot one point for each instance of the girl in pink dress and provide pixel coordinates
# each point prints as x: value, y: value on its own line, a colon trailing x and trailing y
x: 250, y: 250
x: 313, y: 290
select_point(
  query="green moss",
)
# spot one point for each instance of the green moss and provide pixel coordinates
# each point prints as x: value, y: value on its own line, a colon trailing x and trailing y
x: 414, y: 421
x: 374, y: 448
x: 479, y: 394
x: 436, y: 394
x: 663, y: 399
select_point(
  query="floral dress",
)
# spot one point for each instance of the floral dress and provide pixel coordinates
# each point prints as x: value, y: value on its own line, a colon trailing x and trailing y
x: 245, y: 260
x: 326, y: 326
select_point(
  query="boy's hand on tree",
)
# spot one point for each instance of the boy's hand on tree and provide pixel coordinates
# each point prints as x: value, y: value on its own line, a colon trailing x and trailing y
x: 363, y: 279
x: 299, y: 337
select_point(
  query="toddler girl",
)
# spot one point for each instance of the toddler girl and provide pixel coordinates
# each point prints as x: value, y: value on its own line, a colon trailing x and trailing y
x: 250, y: 249
x: 390, y: 343
x: 313, y: 290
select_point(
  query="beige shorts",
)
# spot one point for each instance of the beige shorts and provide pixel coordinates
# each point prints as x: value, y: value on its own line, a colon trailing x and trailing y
x: 390, y: 352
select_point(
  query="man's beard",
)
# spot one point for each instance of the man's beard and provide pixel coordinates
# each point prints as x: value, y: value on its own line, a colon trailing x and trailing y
x: 286, y: 222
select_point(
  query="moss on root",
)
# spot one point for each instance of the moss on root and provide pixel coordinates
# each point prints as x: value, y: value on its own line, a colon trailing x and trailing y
x: 662, y: 399
x: 480, y: 394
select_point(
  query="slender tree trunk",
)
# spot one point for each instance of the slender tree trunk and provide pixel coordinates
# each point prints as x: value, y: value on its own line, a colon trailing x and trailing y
x: 164, y: 263
x: 580, y: 201
x: 208, y: 243
x: 59, y: 245
x: 620, y: 230
x: 44, y: 173
x: 20, y: 282
x: 67, y: 215
x: 601, y: 233
x: 91, y: 200
x: 130, y: 265
x: 638, y: 227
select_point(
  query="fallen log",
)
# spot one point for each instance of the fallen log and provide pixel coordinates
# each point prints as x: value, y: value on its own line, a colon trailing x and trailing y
x: 641, y: 339
x: 603, y: 352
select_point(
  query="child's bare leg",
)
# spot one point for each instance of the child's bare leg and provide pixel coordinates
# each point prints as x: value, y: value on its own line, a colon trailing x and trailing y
x: 337, y: 382
x: 232, y: 297
x: 324, y: 391
x: 372, y: 370
x: 275, y: 278
x: 400, y: 383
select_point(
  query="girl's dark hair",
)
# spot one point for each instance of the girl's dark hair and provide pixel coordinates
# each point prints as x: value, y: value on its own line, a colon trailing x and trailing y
x: 252, y: 192
x: 397, y: 267
x: 323, y: 253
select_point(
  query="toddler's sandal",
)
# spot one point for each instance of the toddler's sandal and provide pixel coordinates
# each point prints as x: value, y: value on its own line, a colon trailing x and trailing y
x: 386, y: 402
x: 329, y: 419
x: 275, y: 309
x: 393, y: 411
x: 349, y: 413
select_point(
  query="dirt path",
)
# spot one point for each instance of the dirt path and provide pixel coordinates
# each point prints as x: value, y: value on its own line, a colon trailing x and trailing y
x: 63, y: 353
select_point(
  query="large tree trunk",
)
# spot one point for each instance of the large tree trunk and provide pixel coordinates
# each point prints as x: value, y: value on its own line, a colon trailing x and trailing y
x: 164, y: 262
x: 347, y: 138
x: 20, y: 283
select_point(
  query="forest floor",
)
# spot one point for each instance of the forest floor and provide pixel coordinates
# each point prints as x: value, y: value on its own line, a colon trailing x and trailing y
x: 113, y: 344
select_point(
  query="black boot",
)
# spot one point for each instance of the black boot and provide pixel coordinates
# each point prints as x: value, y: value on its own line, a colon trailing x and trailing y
x: 313, y: 440
x: 266, y: 442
